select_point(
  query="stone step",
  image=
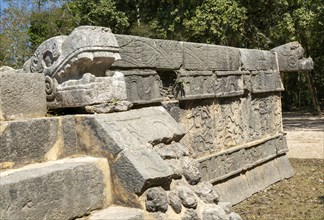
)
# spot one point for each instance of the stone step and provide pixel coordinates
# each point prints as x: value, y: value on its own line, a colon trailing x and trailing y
x: 62, y: 189
x: 118, y: 213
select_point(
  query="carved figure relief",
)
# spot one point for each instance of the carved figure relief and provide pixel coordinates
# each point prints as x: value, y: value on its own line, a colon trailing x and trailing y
x: 277, y: 114
x: 264, y: 115
x: 227, y: 86
x: 143, y: 87
x: 202, y: 129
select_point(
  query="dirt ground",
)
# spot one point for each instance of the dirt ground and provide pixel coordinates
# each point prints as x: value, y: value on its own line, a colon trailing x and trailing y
x: 302, y: 196
x: 305, y: 135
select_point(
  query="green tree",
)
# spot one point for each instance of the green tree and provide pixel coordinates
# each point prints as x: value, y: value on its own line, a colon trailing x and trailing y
x: 217, y: 21
x: 14, y: 36
x: 97, y: 12
x: 49, y: 23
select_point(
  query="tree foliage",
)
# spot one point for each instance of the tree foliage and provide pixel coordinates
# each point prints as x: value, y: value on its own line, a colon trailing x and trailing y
x: 14, y: 38
x: 217, y: 21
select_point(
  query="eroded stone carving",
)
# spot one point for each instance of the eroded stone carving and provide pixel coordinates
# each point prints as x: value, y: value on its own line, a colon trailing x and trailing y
x: 141, y: 52
x: 143, y: 86
x: 291, y: 58
x: 210, y: 57
x: 223, y: 164
x: 74, y: 67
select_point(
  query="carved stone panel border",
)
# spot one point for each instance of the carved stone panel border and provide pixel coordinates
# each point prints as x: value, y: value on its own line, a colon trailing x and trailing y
x: 219, y: 166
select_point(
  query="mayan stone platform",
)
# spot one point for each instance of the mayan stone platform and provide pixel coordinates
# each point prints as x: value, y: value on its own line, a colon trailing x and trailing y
x: 190, y: 127
x: 55, y: 190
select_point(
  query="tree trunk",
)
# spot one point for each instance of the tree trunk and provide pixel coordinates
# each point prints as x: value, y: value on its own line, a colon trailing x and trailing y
x: 313, y: 92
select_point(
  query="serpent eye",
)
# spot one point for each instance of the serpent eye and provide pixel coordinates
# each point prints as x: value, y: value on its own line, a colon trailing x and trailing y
x: 48, y: 58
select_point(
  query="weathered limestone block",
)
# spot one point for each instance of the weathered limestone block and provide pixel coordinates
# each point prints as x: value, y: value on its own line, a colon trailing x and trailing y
x: 187, y: 196
x: 291, y: 58
x: 195, y: 85
x: 214, y: 212
x: 175, y: 201
x: 256, y: 60
x: 190, y: 214
x: 190, y: 169
x: 169, y: 54
x: 221, y: 165
x: 22, y: 95
x: 118, y: 213
x: 141, y: 168
x: 266, y: 81
x: 143, y: 86
x: 210, y: 57
x: 229, y: 83
x: 172, y: 151
x: 137, y: 127
x: 141, y: 52
x: 205, y: 191
x: 89, y: 90
x: 63, y: 189
x: 109, y: 107
x: 129, y: 136
x: 259, y: 177
x: 156, y: 200
x: 37, y: 140
x: 136, y: 52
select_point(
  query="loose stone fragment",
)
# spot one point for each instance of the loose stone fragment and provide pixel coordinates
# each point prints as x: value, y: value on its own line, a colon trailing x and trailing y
x: 206, y: 192
x: 156, y: 200
x: 141, y: 168
x: 175, y: 201
x: 214, y: 212
x: 191, y: 170
x: 190, y: 214
x: 187, y: 196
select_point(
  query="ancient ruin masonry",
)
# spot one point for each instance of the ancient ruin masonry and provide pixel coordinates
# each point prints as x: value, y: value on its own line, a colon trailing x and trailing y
x: 169, y: 130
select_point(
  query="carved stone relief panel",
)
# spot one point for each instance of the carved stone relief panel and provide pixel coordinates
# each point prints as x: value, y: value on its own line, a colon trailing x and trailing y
x: 201, y: 128
x: 263, y: 114
x: 217, y: 125
x: 198, y: 120
x: 230, y: 122
x: 136, y: 52
x: 169, y: 54
x: 229, y: 83
x: 253, y: 59
x: 143, y: 86
x: 194, y: 85
x: 210, y: 57
x: 266, y: 81
x: 277, y: 113
x: 221, y: 165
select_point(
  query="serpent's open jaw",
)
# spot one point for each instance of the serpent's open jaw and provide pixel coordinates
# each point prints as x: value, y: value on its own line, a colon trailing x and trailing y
x: 87, y: 60
x: 86, y: 50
